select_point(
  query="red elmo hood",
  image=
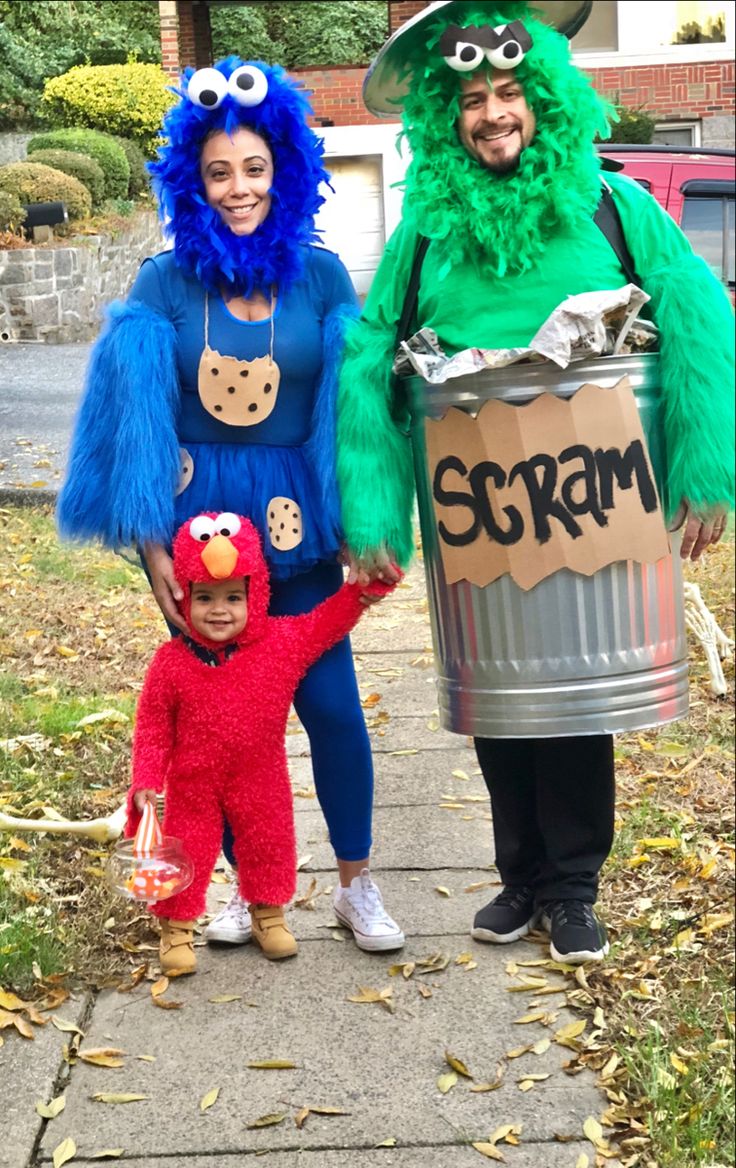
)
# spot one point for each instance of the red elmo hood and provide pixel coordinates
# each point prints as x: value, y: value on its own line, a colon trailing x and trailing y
x: 212, y: 547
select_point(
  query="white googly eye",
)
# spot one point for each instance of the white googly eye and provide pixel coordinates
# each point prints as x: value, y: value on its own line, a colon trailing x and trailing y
x: 227, y: 524
x: 207, y: 88
x: 466, y: 57
x: 202, y: 528
x: 506, y: 56
x: 248, y: 85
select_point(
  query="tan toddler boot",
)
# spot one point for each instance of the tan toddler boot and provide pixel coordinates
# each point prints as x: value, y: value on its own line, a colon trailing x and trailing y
x: 271, y: 931
x: 176, y: 949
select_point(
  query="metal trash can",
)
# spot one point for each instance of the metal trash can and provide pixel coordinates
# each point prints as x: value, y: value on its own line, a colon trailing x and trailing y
x: 574, y: 654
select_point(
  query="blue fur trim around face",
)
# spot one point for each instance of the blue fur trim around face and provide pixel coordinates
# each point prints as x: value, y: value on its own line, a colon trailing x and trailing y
x: 203, y: 245
x: 321, y: 444
x: 124, y: 461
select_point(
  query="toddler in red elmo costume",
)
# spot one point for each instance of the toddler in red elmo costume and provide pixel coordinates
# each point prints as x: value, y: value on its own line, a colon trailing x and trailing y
x: 211, y: 726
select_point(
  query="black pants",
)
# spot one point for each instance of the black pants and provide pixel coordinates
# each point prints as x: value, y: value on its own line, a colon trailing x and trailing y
x: 552, y: 801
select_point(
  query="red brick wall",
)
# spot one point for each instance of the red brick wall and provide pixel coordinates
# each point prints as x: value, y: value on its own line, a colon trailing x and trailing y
x: 336, y: 95
x: 682, y: 92
x: 671, y: 91
x: 403, y: 10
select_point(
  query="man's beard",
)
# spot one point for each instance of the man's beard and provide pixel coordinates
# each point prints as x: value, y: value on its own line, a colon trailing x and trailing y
x: 504, y: 165
x: 508, y: 166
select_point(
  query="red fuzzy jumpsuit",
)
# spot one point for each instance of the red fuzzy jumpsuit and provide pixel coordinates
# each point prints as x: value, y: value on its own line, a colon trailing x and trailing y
x: 211, y: 720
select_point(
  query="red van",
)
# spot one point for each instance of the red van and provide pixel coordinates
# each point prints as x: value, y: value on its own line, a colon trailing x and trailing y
x: 697, y: 186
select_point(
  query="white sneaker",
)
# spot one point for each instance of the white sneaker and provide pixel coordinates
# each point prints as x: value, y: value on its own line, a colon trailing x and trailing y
x: 360, y: 908
x: 232, y: 925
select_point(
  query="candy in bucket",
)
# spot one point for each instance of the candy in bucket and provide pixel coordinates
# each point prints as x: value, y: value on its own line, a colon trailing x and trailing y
x: 149, y: 867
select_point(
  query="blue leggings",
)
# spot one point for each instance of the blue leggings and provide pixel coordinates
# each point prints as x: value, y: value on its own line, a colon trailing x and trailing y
x: 328, y: 705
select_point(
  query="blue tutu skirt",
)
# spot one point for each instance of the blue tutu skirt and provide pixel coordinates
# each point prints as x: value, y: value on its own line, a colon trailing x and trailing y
x: 247, y: 479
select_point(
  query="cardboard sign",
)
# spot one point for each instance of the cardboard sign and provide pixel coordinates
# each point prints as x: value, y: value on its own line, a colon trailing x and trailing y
x: 555, y: 483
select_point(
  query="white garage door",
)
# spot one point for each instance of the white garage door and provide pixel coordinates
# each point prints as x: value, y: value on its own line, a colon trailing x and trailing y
x: 351, y: 219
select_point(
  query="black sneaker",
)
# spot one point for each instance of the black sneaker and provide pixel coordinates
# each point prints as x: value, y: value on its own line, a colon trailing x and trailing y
x: 576, y: 934
x: 506, y: 918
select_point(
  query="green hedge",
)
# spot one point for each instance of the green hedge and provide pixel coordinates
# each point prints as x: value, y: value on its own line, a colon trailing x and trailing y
x: 128, y: 100
x: 32, y: 182
x: 11, y: 211
x: 107, y: 153
x: 79, y: 166
x: 137, y: 162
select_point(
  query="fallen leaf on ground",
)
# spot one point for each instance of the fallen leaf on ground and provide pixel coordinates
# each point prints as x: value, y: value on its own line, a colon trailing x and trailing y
x: 23, y: 1026
x: 108, y: 1154
x: 207, y: 1100
x: 268, y: 1120
x: 367, y: 996
x: 491, y: 1152
x: 104, y: 1056
x: 457, y: 1065
x: 159, y: 987
x: 10, y: 1001
x: 572, y: 1030
x: 442, y: 890
x: 105, y: 1097
x: 272, y: 1065
x: 64, y: 1152
x: 592, y: 1130
x: 52, y: 1109
x: 222, y: 998
x: 447, y: 1081
x: 390, y: 1142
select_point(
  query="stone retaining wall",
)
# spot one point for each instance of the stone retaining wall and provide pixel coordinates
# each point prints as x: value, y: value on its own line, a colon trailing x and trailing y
x: 56, y: 294
x: 13, y: 145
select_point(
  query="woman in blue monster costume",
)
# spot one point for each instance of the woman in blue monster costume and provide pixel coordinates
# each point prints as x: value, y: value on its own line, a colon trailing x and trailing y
x: 213, y: 389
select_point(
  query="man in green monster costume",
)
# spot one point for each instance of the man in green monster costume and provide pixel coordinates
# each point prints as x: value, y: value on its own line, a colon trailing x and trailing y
x: 505, y: 183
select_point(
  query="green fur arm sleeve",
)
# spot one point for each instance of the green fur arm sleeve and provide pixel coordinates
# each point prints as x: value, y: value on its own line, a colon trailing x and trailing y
x: 374, y: 460
x: 695, y: 319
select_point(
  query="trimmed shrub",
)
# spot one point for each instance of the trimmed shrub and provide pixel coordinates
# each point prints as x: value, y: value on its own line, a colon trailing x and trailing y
x: 129, y: 100
x: 79, y: 166
x: 11, y: 211
x: 107, y: 153
x: 137, y: 163
x: 32, y: 182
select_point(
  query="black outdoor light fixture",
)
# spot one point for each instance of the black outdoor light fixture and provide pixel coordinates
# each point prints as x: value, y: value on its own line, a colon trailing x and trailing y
x: 41, y: 218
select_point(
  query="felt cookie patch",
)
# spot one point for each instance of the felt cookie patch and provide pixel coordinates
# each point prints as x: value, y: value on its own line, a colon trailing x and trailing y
x: 284, y: 519
x: 186, y: 470
x: 238, y: 393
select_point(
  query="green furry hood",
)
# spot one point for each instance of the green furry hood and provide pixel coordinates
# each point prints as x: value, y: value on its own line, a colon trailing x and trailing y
x: 502, y: 222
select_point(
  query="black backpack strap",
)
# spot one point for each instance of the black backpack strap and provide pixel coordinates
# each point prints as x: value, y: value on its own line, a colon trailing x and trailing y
x: 608, y: 221
x: 408, y: 312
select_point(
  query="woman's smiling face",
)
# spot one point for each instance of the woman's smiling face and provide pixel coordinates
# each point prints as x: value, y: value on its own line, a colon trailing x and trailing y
x: 237, y: 173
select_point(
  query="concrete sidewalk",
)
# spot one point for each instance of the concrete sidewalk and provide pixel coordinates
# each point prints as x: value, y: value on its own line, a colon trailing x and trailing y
x: 433, y: 841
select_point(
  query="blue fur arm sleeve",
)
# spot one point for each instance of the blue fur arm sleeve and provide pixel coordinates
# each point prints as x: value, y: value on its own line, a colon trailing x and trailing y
x: 321, y: 445
x: 124, y: 459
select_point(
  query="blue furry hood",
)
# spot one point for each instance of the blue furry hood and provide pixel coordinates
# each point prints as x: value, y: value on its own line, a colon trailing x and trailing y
x: 203, y: 245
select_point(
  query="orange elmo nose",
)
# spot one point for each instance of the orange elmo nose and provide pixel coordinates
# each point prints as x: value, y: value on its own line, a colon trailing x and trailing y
x: 220, y: 557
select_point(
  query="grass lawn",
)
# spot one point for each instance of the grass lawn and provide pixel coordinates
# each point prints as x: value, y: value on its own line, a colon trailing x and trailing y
x: 77, y: 628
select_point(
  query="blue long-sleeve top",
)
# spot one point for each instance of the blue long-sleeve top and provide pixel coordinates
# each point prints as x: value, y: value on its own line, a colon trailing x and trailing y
x: 147, y: 455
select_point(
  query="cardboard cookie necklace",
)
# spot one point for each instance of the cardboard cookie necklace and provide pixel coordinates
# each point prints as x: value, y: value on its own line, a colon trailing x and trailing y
x: 238, y: 393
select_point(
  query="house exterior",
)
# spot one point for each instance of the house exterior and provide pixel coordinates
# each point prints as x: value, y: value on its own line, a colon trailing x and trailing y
x: 674, y: 59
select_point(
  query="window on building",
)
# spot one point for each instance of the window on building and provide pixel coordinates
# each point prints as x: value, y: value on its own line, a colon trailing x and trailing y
x: 709, y: 225
x: 677, y: 134
x: 671, y: 25
x: 599, y: 34
x: 699, y: 23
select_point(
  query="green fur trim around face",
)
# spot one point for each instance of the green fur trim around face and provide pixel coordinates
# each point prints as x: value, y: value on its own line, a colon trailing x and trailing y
x: 503, y: 221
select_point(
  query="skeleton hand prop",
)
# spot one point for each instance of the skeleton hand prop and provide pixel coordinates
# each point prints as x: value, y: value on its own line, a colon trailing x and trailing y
x: 700, y: 621
x: 101, y: 830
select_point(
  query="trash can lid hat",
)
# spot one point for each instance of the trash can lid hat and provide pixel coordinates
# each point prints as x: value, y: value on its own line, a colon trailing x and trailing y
x: 389, y: 76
